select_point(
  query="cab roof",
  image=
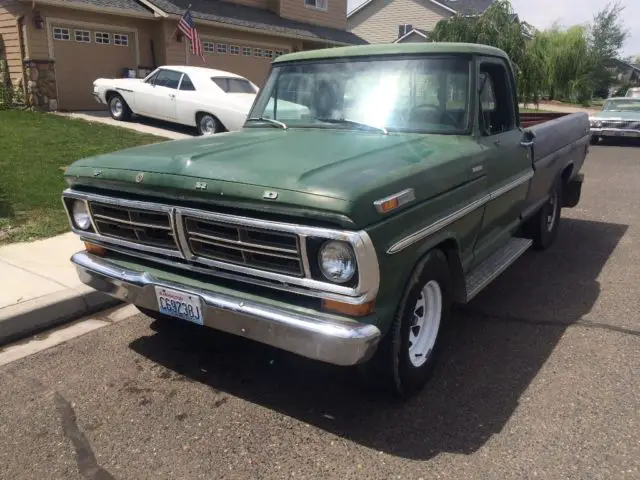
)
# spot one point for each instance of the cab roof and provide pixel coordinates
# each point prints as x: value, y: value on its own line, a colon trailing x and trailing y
x: 380, y: 49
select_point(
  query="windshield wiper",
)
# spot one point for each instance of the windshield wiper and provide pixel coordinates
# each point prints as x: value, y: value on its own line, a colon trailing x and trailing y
x: 270, y: 121
x: 346, y: 121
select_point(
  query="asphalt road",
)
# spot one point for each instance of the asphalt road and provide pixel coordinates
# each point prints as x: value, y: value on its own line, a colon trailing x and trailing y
x: 540, y: 379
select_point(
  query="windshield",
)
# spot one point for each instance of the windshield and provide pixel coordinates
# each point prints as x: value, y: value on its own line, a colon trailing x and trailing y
x: 622, y: 105
x: 234, y: 85
x: 426, y: 95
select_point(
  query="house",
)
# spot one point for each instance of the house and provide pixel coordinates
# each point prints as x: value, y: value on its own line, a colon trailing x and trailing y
x: 55, y: 49
x: 386, y: 21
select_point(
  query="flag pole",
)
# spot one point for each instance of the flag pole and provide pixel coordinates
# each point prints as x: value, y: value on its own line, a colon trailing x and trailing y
x: 176, y: 29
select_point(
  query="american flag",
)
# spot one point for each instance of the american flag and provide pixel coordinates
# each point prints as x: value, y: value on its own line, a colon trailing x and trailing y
x: 188, y: 27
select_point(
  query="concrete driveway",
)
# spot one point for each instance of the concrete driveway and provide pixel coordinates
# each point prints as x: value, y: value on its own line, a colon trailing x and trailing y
x: 539, y: 379
x: 173, y: 131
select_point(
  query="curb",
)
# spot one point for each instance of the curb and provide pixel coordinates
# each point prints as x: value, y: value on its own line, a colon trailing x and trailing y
x: 27, y: 318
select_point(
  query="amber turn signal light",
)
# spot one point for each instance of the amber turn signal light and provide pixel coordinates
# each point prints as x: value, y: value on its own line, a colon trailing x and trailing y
x: 347, y: 308
x: 95, y: 249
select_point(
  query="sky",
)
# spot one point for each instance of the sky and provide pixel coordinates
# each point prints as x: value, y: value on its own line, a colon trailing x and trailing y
x: 542, y: 13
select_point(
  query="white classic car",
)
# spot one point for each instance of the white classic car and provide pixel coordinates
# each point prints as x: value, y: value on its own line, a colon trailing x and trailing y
x: 211, y: 100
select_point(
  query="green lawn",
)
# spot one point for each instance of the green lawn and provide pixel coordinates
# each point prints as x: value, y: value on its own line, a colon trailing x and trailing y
x: 34, y: 150
x: 533, y: 110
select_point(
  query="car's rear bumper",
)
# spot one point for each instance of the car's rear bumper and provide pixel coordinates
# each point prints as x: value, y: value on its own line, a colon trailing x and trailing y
x: 330, y: 339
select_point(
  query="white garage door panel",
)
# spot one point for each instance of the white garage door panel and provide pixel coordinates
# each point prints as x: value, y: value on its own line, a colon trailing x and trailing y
x: 250, y: 61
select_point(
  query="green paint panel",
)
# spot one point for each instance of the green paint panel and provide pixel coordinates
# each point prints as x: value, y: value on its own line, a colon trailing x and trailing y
x: 339, y: 171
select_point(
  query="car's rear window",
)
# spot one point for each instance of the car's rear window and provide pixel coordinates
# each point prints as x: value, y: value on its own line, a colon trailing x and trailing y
x: 234, y: 85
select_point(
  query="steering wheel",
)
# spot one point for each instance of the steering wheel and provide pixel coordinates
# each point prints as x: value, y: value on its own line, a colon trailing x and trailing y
x: 449, y: 119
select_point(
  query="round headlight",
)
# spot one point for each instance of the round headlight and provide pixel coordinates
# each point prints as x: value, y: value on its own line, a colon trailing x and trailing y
x: 336, y: 261
x: 80, y: 215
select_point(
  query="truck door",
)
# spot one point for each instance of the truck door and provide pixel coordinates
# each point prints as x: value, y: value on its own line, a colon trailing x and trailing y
x: 505, y: 163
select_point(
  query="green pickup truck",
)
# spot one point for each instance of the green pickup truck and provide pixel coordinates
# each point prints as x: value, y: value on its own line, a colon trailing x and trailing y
x: 345, y: 229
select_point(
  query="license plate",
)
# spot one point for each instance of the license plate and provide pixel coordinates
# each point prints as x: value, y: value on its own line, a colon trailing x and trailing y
x: 179, y: 304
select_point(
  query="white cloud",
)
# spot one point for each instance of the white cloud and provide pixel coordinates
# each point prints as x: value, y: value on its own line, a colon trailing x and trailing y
x: 542, y: 14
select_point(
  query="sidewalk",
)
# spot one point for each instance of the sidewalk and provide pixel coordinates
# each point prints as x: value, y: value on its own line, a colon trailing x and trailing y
x: 39, y: 287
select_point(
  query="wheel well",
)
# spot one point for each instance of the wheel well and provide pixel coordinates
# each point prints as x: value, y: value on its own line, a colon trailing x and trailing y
x: 202, y: 112
x: 458, y: 286
x: 566, y: 174
x: 109, y: 94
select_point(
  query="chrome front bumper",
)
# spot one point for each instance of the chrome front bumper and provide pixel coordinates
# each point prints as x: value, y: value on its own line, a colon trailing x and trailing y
x: 331, y: 339
x: 614, y: 132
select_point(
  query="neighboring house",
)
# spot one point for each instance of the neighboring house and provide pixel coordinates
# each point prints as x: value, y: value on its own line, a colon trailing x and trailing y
x: 387, y: 21
x: 57, y: 48
x: 625, y: 73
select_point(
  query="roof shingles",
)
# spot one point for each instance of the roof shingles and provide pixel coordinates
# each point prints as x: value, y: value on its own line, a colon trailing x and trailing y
x: 257, y: 18
x: 132, y: 5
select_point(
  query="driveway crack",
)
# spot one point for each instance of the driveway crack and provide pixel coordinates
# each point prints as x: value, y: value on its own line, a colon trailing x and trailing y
x: 85, y: 458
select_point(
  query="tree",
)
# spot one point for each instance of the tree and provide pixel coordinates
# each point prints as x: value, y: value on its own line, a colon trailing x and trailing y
x: 606, y: 39
x: 500, y: 27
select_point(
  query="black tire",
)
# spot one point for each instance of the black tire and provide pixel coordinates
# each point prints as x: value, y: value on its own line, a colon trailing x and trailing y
x: 542, y: 228
x: 118, y: 108
x: 392, y: 367
x: 208, y: 124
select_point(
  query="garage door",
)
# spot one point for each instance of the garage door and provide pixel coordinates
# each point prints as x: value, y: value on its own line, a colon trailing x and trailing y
x: 82, y: 55
x: 250, y: 61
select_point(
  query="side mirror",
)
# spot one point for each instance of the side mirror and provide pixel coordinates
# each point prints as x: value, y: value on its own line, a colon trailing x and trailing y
x: 528, y: 135
x: 527, y: 138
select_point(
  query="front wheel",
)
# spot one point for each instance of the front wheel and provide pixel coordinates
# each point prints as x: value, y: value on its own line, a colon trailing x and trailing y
x: 406, y: 357
x: 207, y: 124
x: 118, y: 108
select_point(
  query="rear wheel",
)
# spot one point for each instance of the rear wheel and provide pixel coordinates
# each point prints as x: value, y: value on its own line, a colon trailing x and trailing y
x: 542, y: 228
x: 118, y: 108
x: 406, y: 357
x: 207, y: 124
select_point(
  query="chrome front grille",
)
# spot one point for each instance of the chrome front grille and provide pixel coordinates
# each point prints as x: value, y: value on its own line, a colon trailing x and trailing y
x: 255, y: 251
x: 147, y: 227
x: 624, y: 124
x: 251, y: 247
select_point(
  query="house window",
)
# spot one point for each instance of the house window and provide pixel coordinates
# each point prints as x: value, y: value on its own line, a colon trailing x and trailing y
x: 246, y: 51
x: 82, y: 36
x: 61, y: 33
x: 221, y: 48
x: 101, y: 37
x: 278, y: 53
x: 234, y: 50
x: 257, y: 52
x: 120, y: 39
x: 268, y: 53
x: 320, y: 4
x: 208, y: 47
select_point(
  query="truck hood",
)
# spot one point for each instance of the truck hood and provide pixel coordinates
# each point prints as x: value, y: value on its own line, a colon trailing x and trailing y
x: 337, y: 171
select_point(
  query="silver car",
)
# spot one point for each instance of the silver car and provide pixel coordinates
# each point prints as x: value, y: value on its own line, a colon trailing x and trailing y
x: 619, y: 117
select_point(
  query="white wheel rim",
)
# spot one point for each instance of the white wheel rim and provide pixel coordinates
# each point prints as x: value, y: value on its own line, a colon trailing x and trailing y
x: 425, y: 323
x: 551, y: 217
x: 116, y: 107
x: 207, y: 125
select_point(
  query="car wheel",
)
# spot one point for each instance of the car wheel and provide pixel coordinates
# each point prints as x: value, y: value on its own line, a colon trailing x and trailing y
x: 118, y: 108
x: 207, y: 124
x: 542, y: 228
x: 407, y: 354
